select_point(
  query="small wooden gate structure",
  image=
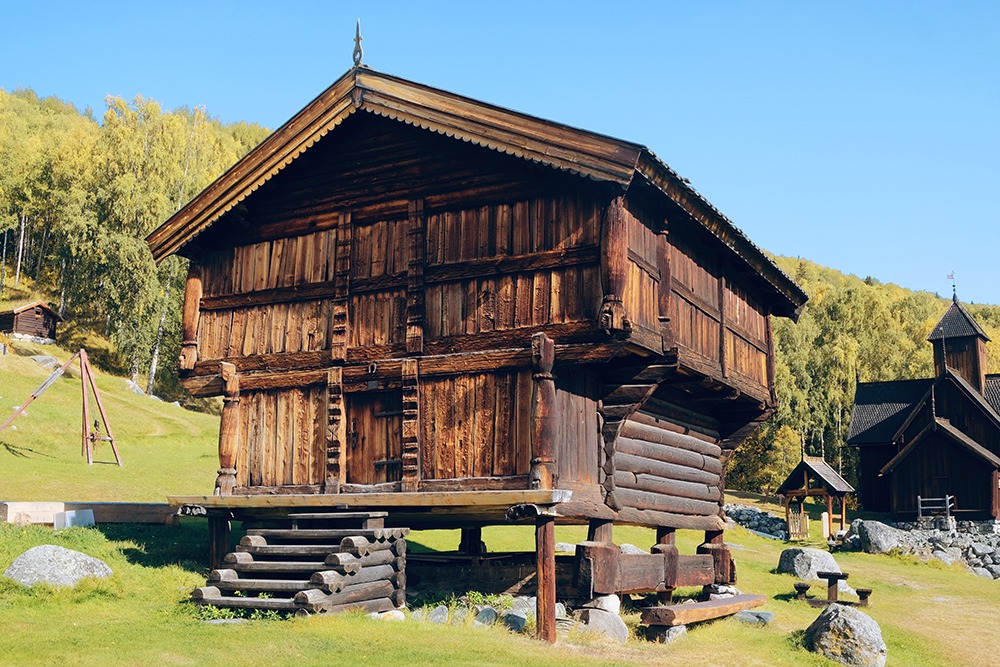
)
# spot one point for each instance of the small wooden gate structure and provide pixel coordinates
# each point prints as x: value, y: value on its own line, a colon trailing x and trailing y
x: 814, y: 477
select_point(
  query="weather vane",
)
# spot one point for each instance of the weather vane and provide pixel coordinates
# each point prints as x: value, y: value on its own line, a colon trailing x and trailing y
x: 359, y: 53
x: 954, y: 290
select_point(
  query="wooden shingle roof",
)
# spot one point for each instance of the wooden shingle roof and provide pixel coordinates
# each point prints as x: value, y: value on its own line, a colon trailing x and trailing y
x: 559, y: 146
x: 819, y: 470
x: 880, y: 408
x: 956, y: 323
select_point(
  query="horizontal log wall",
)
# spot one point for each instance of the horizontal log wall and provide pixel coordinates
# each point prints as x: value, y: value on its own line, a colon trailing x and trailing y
x: 659, y: 467
x: 476, y: 425
x: 281, y: 438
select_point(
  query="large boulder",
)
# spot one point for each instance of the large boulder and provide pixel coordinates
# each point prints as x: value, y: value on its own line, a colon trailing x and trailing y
x: 807, y: 563
x: 848, y: 636
x: 55, y: 565
x: 604, y: 622
x: 878, y: 538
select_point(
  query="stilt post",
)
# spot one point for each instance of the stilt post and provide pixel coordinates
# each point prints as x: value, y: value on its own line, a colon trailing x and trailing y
x: 545, y: 555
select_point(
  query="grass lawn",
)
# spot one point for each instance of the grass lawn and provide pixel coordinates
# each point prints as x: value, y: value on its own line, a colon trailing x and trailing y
x: 166, y: 449
x: 930, y: 614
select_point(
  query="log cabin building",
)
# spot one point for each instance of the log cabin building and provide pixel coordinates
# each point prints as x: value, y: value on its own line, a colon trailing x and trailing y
x: 935, y: 437
x: 35, y: 319
x: 463, y: 315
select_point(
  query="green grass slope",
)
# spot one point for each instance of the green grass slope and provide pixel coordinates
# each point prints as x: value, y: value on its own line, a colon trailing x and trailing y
x: 165, y: 449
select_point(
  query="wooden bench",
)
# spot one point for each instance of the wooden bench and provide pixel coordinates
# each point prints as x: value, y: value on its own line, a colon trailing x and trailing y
x: 683, y: 614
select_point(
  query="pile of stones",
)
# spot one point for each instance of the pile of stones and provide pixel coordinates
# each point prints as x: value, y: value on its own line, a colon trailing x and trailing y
x: 976, y: 544
x: 757, y: 520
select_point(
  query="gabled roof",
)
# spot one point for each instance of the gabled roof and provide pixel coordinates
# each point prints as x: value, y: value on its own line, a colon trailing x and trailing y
x: 36, y: 304
x: 972, y: 394
x: 552, y: 144
x: 992, y: 391
x: 827, y: 476
x: 944, y: 427
x: 880, y: 408
x: 956, y: 323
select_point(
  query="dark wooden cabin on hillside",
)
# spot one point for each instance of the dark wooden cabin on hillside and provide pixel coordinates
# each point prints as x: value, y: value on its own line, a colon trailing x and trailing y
x: 32, y: 319
x: 935, y: 437
x: 461, y: 314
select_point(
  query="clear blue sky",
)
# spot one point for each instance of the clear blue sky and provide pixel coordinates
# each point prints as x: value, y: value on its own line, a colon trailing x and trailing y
x: 861, y: 135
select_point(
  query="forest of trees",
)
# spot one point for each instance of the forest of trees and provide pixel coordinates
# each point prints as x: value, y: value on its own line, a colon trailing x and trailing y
x: 78, y: 196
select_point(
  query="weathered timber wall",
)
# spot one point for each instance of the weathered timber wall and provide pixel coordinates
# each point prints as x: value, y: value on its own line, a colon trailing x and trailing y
x: 281, y: 439
x: 578, y: 439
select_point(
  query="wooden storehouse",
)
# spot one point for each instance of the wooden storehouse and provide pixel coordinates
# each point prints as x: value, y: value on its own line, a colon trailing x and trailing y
x: 933, y: 438
x: 813, y: 477
x: 461, y: 315
x: 32, y: 319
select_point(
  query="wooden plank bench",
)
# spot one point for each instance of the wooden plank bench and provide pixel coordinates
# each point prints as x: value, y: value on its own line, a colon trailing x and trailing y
x: 683, y: 614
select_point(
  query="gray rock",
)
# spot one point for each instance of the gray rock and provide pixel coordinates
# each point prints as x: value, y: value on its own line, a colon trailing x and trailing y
x: 560, y: 610
x: 631, y: 549
x: 419, y: 614
x: 805, y: 563
x: 486, y: 616
x: 753, y: 617
x: 134, y: 388
x: 565, y: 547
x: 514, y: 620
x: 609, y: 603
x: 524, y: 603
x: 438, y: 614
x: 878, y: 538
x: 226, y: 621
x: 605, y: 623
x: 392, y: 615
x: 665, y: 634
x: 46, y: 361
x: 848, y: 636
x: 460, y: 616
x: 943, y: 556
x: 994, y: 570
x: 55, y: 565
x: 982, y: 572
x: 981, y: 549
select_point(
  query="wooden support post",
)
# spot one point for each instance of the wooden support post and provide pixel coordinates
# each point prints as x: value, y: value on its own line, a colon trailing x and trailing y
x: 472, y: 543
x: 543, y: 412
x: 600, y: 530
x: 723, y: 343
x: 415, y: 279
x: 666, y: 537
x: 411, y: 427
x: 229, y: 431
x: 85, y: 363
x: 664, y: 288
x: 88, y: 445
x: 715, y: 545
x: 829, y: 515
x: 189, y: 318
x: 614, y: 268
x: 341, y: 286
x: 219, y: 532
x: 545, y: 564
x: 336, y: 430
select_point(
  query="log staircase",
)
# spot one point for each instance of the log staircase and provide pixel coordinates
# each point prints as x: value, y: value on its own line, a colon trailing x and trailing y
x: 328, y: 566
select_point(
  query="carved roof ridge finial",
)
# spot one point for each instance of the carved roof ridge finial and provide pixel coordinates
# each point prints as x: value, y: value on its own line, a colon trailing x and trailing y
x: 359, y: 52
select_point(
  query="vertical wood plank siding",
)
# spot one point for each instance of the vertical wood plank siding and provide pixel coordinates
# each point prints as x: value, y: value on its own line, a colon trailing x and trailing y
x: 283, y: 437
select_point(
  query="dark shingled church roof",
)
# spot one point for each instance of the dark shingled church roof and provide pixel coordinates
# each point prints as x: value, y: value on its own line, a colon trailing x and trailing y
x: 992, y: 391
x: 956, y: 323
x: 880, y: 408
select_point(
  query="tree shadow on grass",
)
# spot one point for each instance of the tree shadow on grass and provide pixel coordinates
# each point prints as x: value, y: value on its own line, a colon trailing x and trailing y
x: 23, y: 452
x: 156, y: 545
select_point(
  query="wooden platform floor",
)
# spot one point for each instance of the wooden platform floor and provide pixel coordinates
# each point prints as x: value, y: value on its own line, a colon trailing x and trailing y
x: 44, y: 512
x: 425, y: 509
